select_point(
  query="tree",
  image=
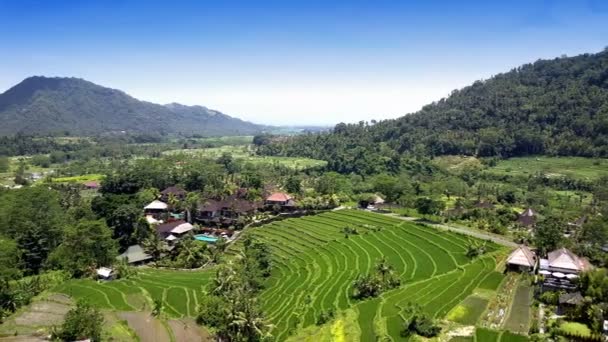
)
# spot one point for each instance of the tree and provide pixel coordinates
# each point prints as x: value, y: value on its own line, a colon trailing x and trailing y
x: 81, y: 323
x: 475, y: 248
x: 34, y: 218
x: 86, y: 245
x: 419, y: 323
x: 123, y: 220
x: 293, y: 185
x: 4, y: 164
x: 429, y: 206
x: 548, y: 235
x: 10, y: 259
x: 191, y: 254
x: 153, y: 245
x: 20, y: 177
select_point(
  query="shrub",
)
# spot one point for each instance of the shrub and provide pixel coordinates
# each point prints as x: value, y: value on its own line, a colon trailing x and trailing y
x: 81, y: 323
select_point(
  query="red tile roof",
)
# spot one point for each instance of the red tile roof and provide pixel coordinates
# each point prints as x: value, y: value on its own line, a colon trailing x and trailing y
x: 279, y: 197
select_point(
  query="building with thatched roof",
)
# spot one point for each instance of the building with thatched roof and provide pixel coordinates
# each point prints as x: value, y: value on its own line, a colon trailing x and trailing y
x: 564, y: 261
x: 522, y: 259
x: 175, y: 191
x: 135, y: 255
x: 527, y: 218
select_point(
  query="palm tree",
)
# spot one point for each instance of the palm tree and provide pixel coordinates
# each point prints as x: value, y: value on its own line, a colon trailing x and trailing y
x: 248, y: 323
x: 153, y: 245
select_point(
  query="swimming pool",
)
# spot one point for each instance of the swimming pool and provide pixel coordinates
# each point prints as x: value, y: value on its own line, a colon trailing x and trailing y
x: 205, y: 238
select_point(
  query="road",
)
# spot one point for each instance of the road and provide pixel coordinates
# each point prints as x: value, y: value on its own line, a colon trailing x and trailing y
x: 481, y: 235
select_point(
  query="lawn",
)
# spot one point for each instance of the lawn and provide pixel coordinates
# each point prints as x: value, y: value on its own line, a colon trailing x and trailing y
x: 316, y: 264
x: 575, y: 167
x: 519, y: 314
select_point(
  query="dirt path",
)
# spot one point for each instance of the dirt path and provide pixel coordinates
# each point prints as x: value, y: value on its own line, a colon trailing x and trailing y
x: 481, y: 235
x: 148, y: 328
x: 187, y: 330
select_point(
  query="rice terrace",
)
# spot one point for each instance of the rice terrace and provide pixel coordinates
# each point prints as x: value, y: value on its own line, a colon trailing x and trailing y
x: 314, y: 266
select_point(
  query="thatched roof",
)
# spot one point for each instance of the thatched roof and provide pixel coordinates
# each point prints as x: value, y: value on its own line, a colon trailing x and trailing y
x: 522, y: 256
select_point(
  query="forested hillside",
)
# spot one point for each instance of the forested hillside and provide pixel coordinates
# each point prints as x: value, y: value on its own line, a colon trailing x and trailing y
x: 557, y: 107
x: 41, y: 105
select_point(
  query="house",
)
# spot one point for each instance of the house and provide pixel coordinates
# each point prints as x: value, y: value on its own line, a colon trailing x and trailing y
x: 522, y: 259
x: 156, y: 208
x: 173, y: 228
x: 135, y: 255
x: 568, y: 302
x: 226, y: 212
x: 92, y: 185
x: 281, y: 199
x: 104, y: 273
x: 370, y: 203
x: 564, y: 261
x: 560, y: 269
x: 527, y: 218
x: 174, y: 191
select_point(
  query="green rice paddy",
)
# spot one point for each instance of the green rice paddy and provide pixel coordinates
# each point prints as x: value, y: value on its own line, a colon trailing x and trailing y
x: 180, y: 291
x: 315, y: 265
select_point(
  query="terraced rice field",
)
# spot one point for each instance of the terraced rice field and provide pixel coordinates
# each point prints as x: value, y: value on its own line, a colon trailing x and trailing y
x: 315, y: 265
x: 180, y: 291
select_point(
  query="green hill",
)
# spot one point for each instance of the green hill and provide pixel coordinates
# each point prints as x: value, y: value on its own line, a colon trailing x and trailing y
x: 40, y: 105
x: 556, y: 107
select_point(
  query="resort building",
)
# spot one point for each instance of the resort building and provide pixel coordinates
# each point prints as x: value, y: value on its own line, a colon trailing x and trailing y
x: 174, y: 191
x: 173, y: 230
x: 135, y: 255
x: 156, y: 208
x: 522, y: 259
x: 226, y: 212
x: 560, y: 269
x: 283, y: 200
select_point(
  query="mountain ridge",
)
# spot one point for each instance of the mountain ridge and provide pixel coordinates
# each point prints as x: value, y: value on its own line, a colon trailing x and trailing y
x: 42, y: 105
x: 556, y: 107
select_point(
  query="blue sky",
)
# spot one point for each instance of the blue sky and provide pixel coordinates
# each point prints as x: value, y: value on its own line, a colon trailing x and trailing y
x: 291, y: 62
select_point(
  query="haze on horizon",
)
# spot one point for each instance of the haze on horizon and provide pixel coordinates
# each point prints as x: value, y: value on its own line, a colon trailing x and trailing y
x: 291, y: 62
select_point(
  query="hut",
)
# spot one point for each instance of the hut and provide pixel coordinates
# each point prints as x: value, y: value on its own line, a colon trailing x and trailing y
x: 568, y: 302
x: 527, y: 218
x: 156, y: 208
x: 135, y: 255
x: 522, y: 259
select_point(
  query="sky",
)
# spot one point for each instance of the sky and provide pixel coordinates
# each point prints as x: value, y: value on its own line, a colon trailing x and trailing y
x: 291, y: 62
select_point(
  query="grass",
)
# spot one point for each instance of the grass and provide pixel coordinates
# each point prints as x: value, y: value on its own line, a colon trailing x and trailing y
x: 486, y: 335
x: 468, y: 311
x: 508, y: 336
x: 575, y: 167
x: 575, y: 328
x: 79, y: 179
x: 179, y: 291
x: 519, y: 314
x: 316, y: 264
x: 244, y: 153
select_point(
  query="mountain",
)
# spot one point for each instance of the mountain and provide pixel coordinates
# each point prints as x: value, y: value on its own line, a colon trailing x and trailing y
x: 41, y: 105
x: 556, y: 107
